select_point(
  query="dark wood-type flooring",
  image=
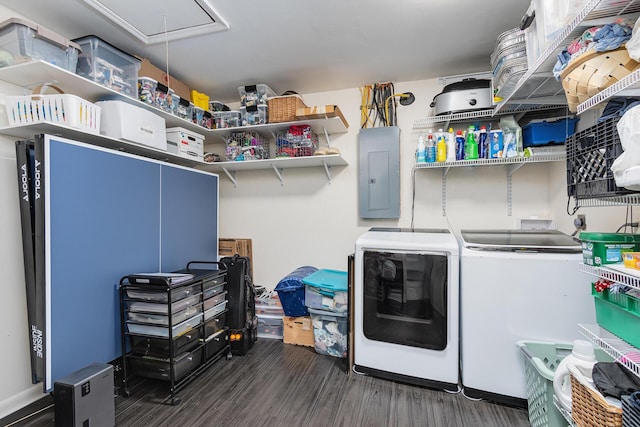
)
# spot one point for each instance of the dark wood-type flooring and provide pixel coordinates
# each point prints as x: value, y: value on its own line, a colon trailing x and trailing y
x: 285, y: 385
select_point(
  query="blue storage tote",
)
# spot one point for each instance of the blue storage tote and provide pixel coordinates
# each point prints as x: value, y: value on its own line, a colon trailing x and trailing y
x: 543, y: 133
x: 327, y: 290
x: 290, y: 290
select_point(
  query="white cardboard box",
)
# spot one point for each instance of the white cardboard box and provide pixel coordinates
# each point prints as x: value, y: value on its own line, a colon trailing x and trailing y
x: 125, y: 121
x: 185, y: 143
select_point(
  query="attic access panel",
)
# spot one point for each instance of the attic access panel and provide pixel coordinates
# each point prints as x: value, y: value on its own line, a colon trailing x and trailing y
x: 146, y: 21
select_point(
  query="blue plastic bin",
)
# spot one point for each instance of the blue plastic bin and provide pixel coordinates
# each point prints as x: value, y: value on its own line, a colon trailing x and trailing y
x: 327, y: 290
x: 543, y: 133
x: 291, y: 291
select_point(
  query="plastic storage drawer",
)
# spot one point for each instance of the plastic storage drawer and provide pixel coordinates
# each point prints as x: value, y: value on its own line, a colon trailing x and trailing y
x: 327, y: 290
x: 215, y: 343
x: 160, y: 331
x: 272, y: 309
x: 215, y: 300
x: 161, y: 308
x: 215, y: 324
x: 108, y: 66
x: 162, y: 296
x: 160, y: 368
x: 214, y: 311
x: 161, y: 347
x: 25, y: 40
x: 163, y: 319
x: 213, y: 290
x: 329, y: 332
x: 270, y: 326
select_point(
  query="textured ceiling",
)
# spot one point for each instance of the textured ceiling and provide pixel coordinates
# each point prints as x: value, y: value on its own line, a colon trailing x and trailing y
x: 307, y: 46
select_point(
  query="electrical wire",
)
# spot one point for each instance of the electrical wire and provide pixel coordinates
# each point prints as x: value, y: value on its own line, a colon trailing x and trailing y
x: 413, y: 195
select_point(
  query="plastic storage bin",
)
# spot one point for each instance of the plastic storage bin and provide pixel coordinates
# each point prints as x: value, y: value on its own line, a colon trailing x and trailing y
x: 108, y: 65
x: 541, y: 360
x: 619, y: 314
x: 22, y: 40
x: 290, y: 290
x: 607, y: 248
x: 161, y: 297
x: 121, y: 120
x: 163, y: 319
x: 329, y: 332
x: 227, y: 119
x: 160, y: 369
x: 542, y: 133
x: 252, y: 118
x: 327, y: 290
x: 147, y: 90
x: 270, y: 326
x: 252, y: 95
x: 160, y: 331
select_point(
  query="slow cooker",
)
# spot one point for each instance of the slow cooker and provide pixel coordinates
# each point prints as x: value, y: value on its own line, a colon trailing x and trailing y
x: 465, y: 95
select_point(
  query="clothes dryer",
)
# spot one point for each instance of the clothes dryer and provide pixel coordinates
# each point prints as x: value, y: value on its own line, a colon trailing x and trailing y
x: 406, y: 306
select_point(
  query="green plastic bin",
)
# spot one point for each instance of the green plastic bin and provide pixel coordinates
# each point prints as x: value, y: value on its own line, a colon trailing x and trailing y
x: 619, y: 314
x: 607, y: 248
x: 540, y: 361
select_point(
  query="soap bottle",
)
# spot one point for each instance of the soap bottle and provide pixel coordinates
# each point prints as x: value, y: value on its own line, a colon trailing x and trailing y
x: 421, y: 152
x: 459, y: 145
x: 583, y: 359
x: 451, y: 146
x: 441, y: 149
x: 483, y: 143
x: 431, y: 148
x: 471, y: 150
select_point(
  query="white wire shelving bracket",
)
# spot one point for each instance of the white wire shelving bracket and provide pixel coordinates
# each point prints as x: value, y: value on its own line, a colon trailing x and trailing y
x: 513, y: 164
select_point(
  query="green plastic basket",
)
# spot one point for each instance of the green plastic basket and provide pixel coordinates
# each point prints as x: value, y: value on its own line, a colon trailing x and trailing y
x: 619, y: 314
x: 540, y: 362
x: 607, y: 248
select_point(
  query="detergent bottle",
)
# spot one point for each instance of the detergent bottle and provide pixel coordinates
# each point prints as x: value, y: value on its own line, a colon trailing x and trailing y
x: 431, y: 148
x: 441, y: 149
x: 582, y: 358
x: 483, y: 143
x: 459, y: 145
x: 421, y: 153
x: 471, y: 150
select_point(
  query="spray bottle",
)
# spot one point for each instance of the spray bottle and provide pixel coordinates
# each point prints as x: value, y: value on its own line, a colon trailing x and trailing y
x: 421, y: 152
x: 471, y: 150
x: 483, y: 143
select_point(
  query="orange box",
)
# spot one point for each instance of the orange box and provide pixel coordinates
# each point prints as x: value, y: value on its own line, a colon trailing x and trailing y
x: 320, y: 112
x: 230, y: 247
x: 298, y: 331
x: 631, y: 260
x: 147, y: 69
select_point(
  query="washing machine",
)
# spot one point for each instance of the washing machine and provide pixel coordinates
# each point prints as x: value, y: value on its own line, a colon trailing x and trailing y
x: 406, y: 306
x: 516, y: 285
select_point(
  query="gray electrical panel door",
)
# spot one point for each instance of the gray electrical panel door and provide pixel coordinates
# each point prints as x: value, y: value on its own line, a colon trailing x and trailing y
x: 379, y: 172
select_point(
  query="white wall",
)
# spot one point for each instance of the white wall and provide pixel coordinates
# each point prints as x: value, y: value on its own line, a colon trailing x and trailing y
x: 307, y: 221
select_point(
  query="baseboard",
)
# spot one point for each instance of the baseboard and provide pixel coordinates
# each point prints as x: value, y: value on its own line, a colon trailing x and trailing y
x: 24, y: 404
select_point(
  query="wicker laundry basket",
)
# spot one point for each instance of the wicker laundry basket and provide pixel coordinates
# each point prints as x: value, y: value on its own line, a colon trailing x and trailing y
x: 593, y: 72
x: 589, y: 409
x: 283, y: 108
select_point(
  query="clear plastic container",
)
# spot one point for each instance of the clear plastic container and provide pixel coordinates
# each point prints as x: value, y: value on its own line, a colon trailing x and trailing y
x: 257, y: 117
x: 22, y: 40
x: 227, y: 119
x: 252, y: 95
x: 147, y: 89
x: 108, y: 65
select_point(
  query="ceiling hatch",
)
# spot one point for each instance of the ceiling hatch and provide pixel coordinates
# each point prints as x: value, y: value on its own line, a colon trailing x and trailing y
x: 154, y: 21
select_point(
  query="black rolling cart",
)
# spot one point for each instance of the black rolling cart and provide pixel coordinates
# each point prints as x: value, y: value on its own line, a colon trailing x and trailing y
x: 174, y: 325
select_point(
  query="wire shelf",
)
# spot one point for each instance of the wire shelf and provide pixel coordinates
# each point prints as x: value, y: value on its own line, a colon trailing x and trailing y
x: 565, y: 414
x: 427, y: 122
x: 623, y: 86
x: 625, y: 200
x: 620, y: 350
x: 488, y: 162
x: 611, y: 274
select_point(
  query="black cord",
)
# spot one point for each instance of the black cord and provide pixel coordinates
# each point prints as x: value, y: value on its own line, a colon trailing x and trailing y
x: 413, y: 194
x: 575, y: 208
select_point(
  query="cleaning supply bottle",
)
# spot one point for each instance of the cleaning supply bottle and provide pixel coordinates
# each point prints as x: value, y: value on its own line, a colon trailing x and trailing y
x: 471, y: 150
x: 483, y: 143
x: 431, y: 148
x: 451, y: 146
x: 441, y: 148
x: 459, y: 145
x: 421, y: 152
x: 583, y: 358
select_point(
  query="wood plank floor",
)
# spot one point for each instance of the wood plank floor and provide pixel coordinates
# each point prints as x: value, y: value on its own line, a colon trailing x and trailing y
x: 285, y: 385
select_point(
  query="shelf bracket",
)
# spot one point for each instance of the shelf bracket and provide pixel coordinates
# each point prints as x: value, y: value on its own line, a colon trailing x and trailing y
x: 232, y: 176
x: 327, y: 169
x: 444, y: 191
x: 511, y: 169
x: 277, y: 171
x: 327, y: 135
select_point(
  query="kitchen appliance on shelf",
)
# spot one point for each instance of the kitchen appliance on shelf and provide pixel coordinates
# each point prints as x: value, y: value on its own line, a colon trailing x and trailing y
x: 406, y: 306
x: 516, y: 285
x: 466, y: 95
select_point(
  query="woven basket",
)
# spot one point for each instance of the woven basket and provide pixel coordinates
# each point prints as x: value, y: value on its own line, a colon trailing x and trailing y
x: 589, y: 409
x: 283, y: 108
x: 593, y: 72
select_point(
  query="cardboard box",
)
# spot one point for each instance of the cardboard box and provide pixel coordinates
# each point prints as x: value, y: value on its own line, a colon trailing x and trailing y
x: 230, y: 247
x: 298, y: 331
x: 147, y: 69
x: 320, y: 112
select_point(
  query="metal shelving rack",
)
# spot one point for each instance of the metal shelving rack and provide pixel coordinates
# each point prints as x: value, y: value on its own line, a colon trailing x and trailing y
x: 512, y: 163
x: 537, y: 85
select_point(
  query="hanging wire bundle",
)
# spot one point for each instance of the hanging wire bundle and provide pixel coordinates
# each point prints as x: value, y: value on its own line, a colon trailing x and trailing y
x: 378, y: 107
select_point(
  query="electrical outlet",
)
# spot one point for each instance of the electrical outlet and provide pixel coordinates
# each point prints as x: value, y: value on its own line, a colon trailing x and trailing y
x: 580, y: 222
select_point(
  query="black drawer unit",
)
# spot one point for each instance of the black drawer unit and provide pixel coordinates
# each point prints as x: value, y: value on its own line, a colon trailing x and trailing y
x: 173, y: 328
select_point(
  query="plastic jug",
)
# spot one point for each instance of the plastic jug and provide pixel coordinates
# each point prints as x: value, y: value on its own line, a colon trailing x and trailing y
x: 583, y: 358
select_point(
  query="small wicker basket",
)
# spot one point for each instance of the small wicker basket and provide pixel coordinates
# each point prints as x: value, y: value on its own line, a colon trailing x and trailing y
x: 593, y: 72
x: 283, y: 108
x: 589, y: 409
